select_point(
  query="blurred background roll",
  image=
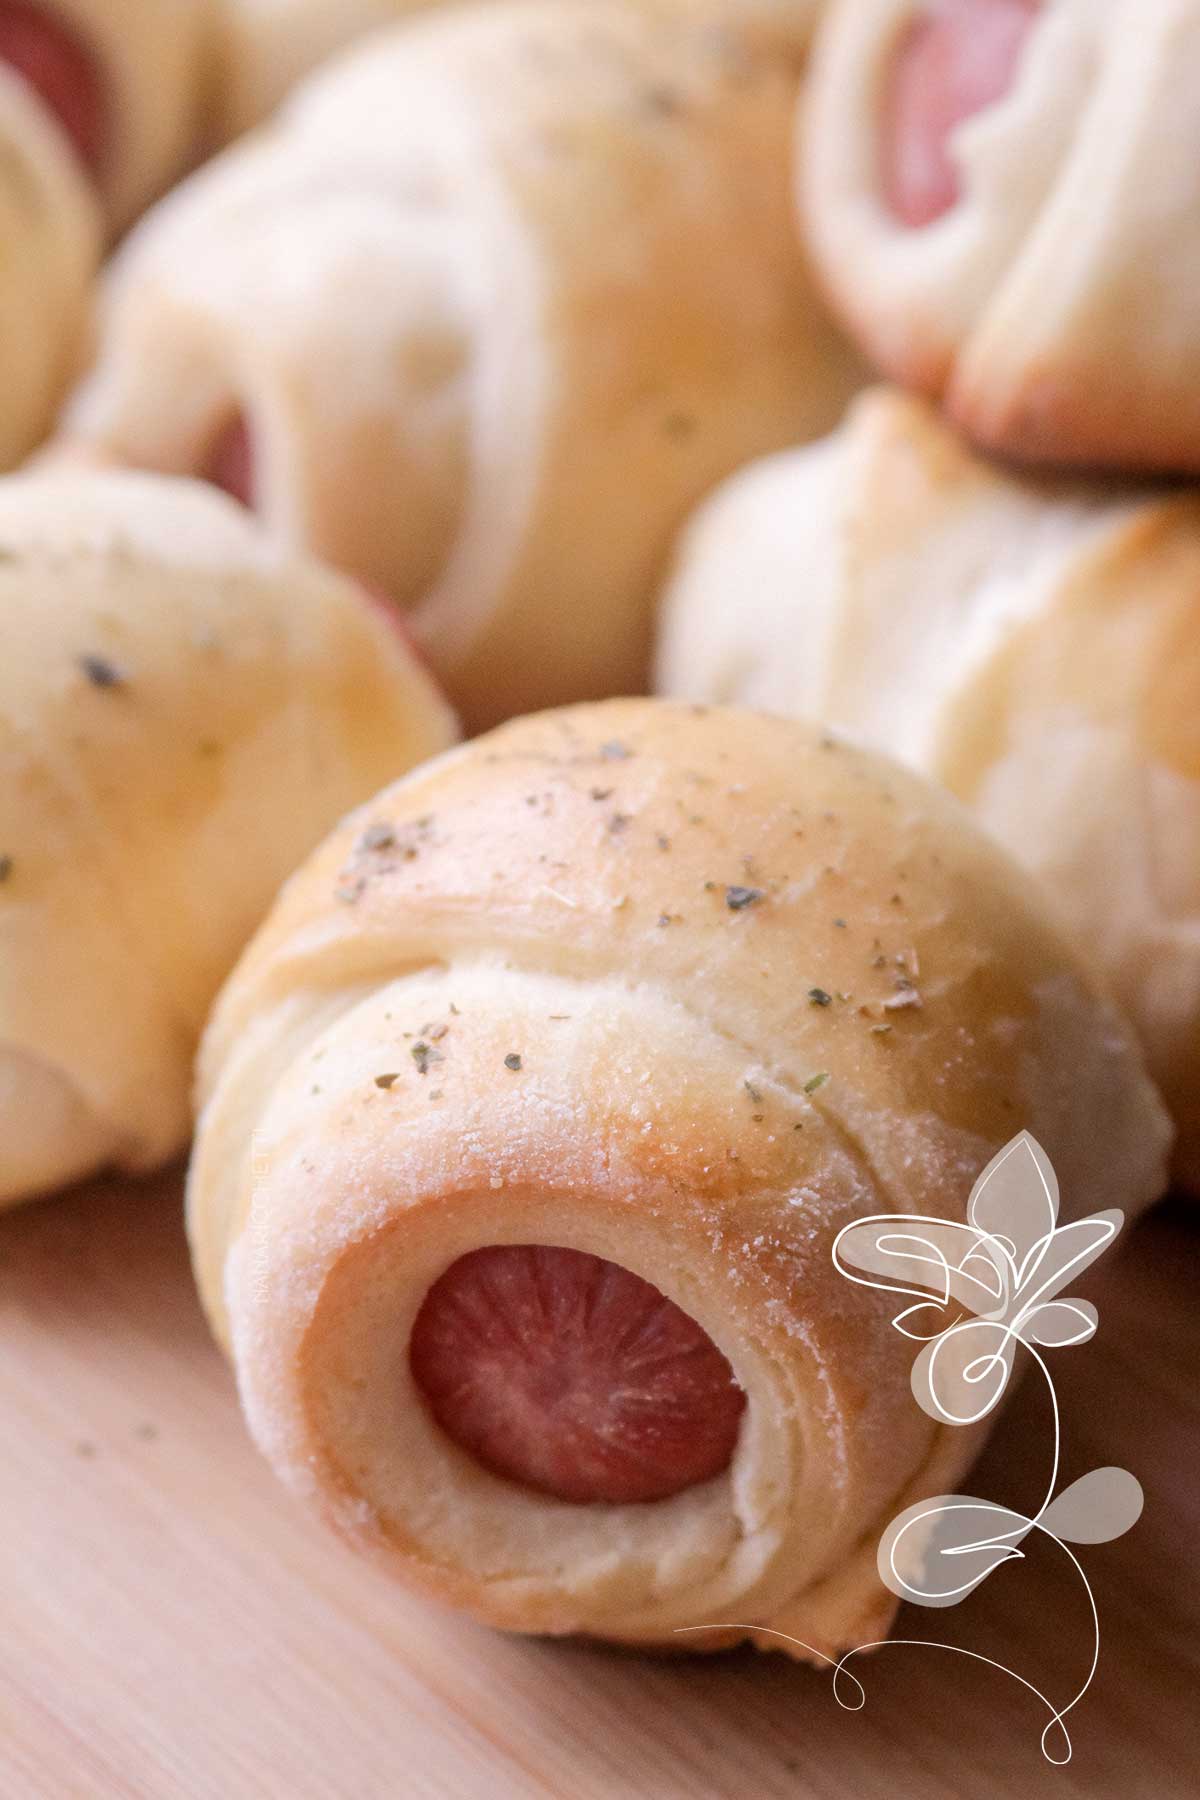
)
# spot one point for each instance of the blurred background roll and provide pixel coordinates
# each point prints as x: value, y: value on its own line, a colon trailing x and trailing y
x: 50, y: 239
x: 492, y: 302
x: 1034, y: 644
x: 127, y: 82
x: 183, y: 712
x: 1003, y: 201
x: 268, y: 46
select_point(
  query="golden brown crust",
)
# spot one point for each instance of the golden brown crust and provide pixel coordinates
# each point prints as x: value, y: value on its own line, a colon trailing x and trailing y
x: 691, y: 927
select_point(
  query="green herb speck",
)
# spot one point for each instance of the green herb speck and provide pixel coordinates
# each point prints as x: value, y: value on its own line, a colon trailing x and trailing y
x: 101, y: 672
x: 738, y: 898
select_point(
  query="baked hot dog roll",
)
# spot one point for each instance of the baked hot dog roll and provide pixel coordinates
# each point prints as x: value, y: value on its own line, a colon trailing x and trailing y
x: 1032, y: 644
x: 50, y: 240
x: 1003, y: 199
x: 183, y: 713
x: 270, y: 45
x: 528, y: 1122
x: 498, y: 297
x: 99, y: 101
x: 126, y: 82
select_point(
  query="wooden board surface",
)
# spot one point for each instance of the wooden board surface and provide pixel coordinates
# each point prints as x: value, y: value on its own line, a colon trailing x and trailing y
x: 170, y: 1625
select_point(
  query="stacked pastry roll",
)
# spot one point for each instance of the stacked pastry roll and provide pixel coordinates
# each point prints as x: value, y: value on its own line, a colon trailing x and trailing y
x: 100, y: 105
x: 492, y: 303
x: 1032, y: 644
x: 183, y: 712
x: 1003, y: 198
x: 529, y: 1120
x: 529, y: 1117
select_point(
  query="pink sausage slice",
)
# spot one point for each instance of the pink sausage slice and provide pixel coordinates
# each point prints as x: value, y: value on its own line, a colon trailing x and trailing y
x: 573, y: 1376
x: 64, y: 71
x: 230, y: 464
x: 959, y: 59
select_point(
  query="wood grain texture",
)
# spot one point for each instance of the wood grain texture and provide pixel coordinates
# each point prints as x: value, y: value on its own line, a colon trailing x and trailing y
x: 171, y: 1626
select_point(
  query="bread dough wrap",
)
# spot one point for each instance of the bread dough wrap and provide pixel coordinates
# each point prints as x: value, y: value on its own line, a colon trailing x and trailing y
x: 561, y: 988
x: 1033, y: 285
x: 1030, y: 643
x: 183, y: 712
x: 496, y: 299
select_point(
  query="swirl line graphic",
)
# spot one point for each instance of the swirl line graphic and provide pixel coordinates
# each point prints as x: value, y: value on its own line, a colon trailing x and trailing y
x: 981, y: 1288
